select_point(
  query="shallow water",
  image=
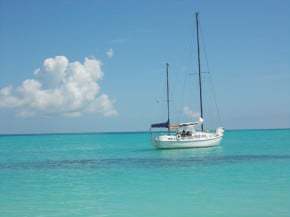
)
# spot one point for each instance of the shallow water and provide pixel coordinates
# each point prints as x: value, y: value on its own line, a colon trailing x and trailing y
x: 121, y: 174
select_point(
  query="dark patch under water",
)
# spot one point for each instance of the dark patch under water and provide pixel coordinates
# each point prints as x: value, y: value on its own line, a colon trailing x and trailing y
x: 141, y: 162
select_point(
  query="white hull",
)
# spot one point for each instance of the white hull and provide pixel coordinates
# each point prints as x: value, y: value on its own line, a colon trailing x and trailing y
x: 172, y: 142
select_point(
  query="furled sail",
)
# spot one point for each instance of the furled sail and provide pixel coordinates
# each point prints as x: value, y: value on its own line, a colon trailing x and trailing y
x: 160, y: 125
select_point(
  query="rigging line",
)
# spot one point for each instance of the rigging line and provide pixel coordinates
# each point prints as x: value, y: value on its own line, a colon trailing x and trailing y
x: 210, y: 77
x: 180, y: 100
x: 182, y: 97
x: 191, y: 46
x: 210, y: 109
x: 161, y: 97
x: 215, y: 101
x: 172, y: 101
x: 204, y: 48
x: 158, y: 101
x: 173, y: 90
x: 189, y: 54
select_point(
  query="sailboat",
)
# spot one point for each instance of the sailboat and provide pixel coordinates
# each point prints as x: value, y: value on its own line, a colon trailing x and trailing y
x: 187, y: 135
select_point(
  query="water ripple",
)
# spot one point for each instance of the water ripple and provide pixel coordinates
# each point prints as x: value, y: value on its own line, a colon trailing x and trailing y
x: 141, y: 162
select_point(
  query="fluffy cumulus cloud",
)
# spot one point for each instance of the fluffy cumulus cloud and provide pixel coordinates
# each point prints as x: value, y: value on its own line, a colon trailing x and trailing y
x: 60, y: 87
x: 110, y: 53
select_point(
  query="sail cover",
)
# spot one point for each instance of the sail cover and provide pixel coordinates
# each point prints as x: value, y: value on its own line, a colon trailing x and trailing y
x: 160, y: 125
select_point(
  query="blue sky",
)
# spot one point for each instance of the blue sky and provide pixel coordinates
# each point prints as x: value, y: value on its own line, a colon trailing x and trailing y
x: 247, y: 45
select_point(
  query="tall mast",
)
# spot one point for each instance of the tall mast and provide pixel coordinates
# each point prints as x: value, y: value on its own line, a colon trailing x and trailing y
x: 167, y: 89
x: 199, y: 68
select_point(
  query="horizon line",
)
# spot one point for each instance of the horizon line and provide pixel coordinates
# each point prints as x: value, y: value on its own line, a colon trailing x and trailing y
x: 129, y: 131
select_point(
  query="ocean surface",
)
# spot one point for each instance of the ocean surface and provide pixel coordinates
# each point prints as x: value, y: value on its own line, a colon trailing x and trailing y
x: 122, y: 175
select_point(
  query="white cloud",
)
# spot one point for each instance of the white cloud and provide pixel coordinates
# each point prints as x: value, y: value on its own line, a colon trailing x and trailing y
x: 189, y: 113
x: 110, y: 53
x: 60, y: 87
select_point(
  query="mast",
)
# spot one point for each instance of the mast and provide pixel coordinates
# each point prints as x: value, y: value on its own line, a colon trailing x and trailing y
x: 199, y: 68
x: 167, y: 92
x: 165, y: 124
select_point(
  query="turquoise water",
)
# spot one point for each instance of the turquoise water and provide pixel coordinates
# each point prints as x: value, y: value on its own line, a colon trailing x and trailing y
x: 121, y: 174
